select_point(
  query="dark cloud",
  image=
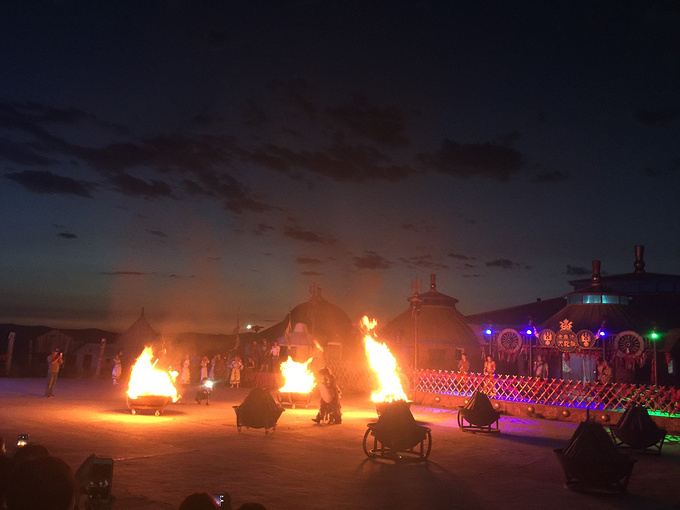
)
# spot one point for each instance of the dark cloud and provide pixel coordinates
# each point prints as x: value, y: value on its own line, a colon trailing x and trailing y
x: 423, y: 261
x: 577, y: 271
x: 157, y: 233
x: 134, y: 187
x: 67, y: 235
x: 384, y: 126
x: 295, y: 232
x: 410, y: 226
x: 460, y: 256
x: 242, y: 202
x: 30, y: 118
x: 263, y: 228
x: 659, y: 117
x: 123, y: 273
x: 193, y: 188
x: 310, y: 273
x: 340, y: 162
x: 371, y: 260
x: 503, y: 263
x: 41, y: 181
x: 307, y: 260
x: 197, y: 155
x: 473, y: 160
x: 22, y: 154
x: 549, y: 177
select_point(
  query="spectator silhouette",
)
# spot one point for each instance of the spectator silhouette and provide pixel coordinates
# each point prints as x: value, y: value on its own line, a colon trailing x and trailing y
x: 5, y: 468
x: 203, y: 501
x: 29, y: 452
x: 41, y: 483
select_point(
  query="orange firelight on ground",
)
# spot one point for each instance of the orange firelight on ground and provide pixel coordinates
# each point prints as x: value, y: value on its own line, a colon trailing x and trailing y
x: 298, y: 378
x: 146, y: 379
x: 383, y: 363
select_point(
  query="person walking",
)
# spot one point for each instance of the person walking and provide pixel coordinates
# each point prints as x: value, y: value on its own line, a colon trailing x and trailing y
x: 54, y: 363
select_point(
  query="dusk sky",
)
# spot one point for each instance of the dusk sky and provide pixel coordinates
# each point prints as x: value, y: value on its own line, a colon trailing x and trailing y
x: 205, y: 157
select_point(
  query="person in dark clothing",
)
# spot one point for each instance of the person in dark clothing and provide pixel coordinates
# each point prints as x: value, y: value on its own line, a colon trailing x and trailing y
x: 329, y: 407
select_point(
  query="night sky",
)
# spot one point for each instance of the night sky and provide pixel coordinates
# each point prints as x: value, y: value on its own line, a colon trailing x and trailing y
x: 203, y: 158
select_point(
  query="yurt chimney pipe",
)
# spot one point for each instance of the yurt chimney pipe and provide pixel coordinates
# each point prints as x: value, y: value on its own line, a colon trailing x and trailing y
x: 639, y: 259
x: 596, y: 272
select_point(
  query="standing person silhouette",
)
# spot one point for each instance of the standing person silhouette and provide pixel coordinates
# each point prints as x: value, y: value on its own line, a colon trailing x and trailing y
x: 117, y: 368
x: 489, y: 376
x: 54, y: 363
x: 329, y: 406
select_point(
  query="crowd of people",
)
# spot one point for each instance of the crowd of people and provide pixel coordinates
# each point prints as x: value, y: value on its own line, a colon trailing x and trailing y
x: 236, y: 369
x: 32, y: 479
x: 231, y: 369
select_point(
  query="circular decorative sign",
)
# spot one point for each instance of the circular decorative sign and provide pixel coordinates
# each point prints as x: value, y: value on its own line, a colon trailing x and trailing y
x: 566, y: 340
x: 509, y: 340
x: 586, y: 338
x: 629, y: 343
x: 546, y: 338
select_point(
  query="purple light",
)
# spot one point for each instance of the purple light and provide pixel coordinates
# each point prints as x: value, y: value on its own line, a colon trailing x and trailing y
x: 488, y: 331
x: 529, y: 331
x: 602, y: 333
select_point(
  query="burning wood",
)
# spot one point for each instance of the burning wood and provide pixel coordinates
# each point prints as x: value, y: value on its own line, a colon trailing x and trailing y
x: 146, y: 379
x: 298, y: 379
x: 383, y: 363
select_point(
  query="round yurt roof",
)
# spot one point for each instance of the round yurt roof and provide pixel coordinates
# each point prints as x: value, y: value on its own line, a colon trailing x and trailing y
x: 439, y: 322
x: 323, y: 321
x: 591, y: 316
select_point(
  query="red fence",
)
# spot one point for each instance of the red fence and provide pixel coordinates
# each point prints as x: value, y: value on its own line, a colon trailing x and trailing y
x: 556, y: 392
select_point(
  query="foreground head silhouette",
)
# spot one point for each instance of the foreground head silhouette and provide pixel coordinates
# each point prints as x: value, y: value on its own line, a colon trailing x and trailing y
x: 41, y: 483
x: 198, y: 501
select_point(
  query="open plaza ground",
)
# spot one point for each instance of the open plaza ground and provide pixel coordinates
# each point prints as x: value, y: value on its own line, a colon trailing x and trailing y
x: 158, y: 460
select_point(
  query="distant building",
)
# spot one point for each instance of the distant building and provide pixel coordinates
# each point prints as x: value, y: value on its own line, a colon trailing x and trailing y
x: 137, y: 336
x: 314, y: 325
x: 443, y: 333
x: 614, y: 317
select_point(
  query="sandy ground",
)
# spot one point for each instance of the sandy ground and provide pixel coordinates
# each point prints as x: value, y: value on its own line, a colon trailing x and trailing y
x: 161, y: 459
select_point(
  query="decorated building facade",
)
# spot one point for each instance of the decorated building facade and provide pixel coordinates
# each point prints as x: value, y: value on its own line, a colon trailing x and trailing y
x: 632, y: 320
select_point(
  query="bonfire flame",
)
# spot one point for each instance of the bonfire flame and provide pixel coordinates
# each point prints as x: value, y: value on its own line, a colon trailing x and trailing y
x: 383, y: 363
x: 146, y: 379
x: 298, y: 378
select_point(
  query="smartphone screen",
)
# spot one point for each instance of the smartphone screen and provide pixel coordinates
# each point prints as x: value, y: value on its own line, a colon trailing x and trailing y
x: 101, y: 477
x: 219, y: 499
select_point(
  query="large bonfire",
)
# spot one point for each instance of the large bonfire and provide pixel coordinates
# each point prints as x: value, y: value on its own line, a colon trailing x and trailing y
x: 146, y: 379
x: 383, y: 363
x: 298, y: 378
